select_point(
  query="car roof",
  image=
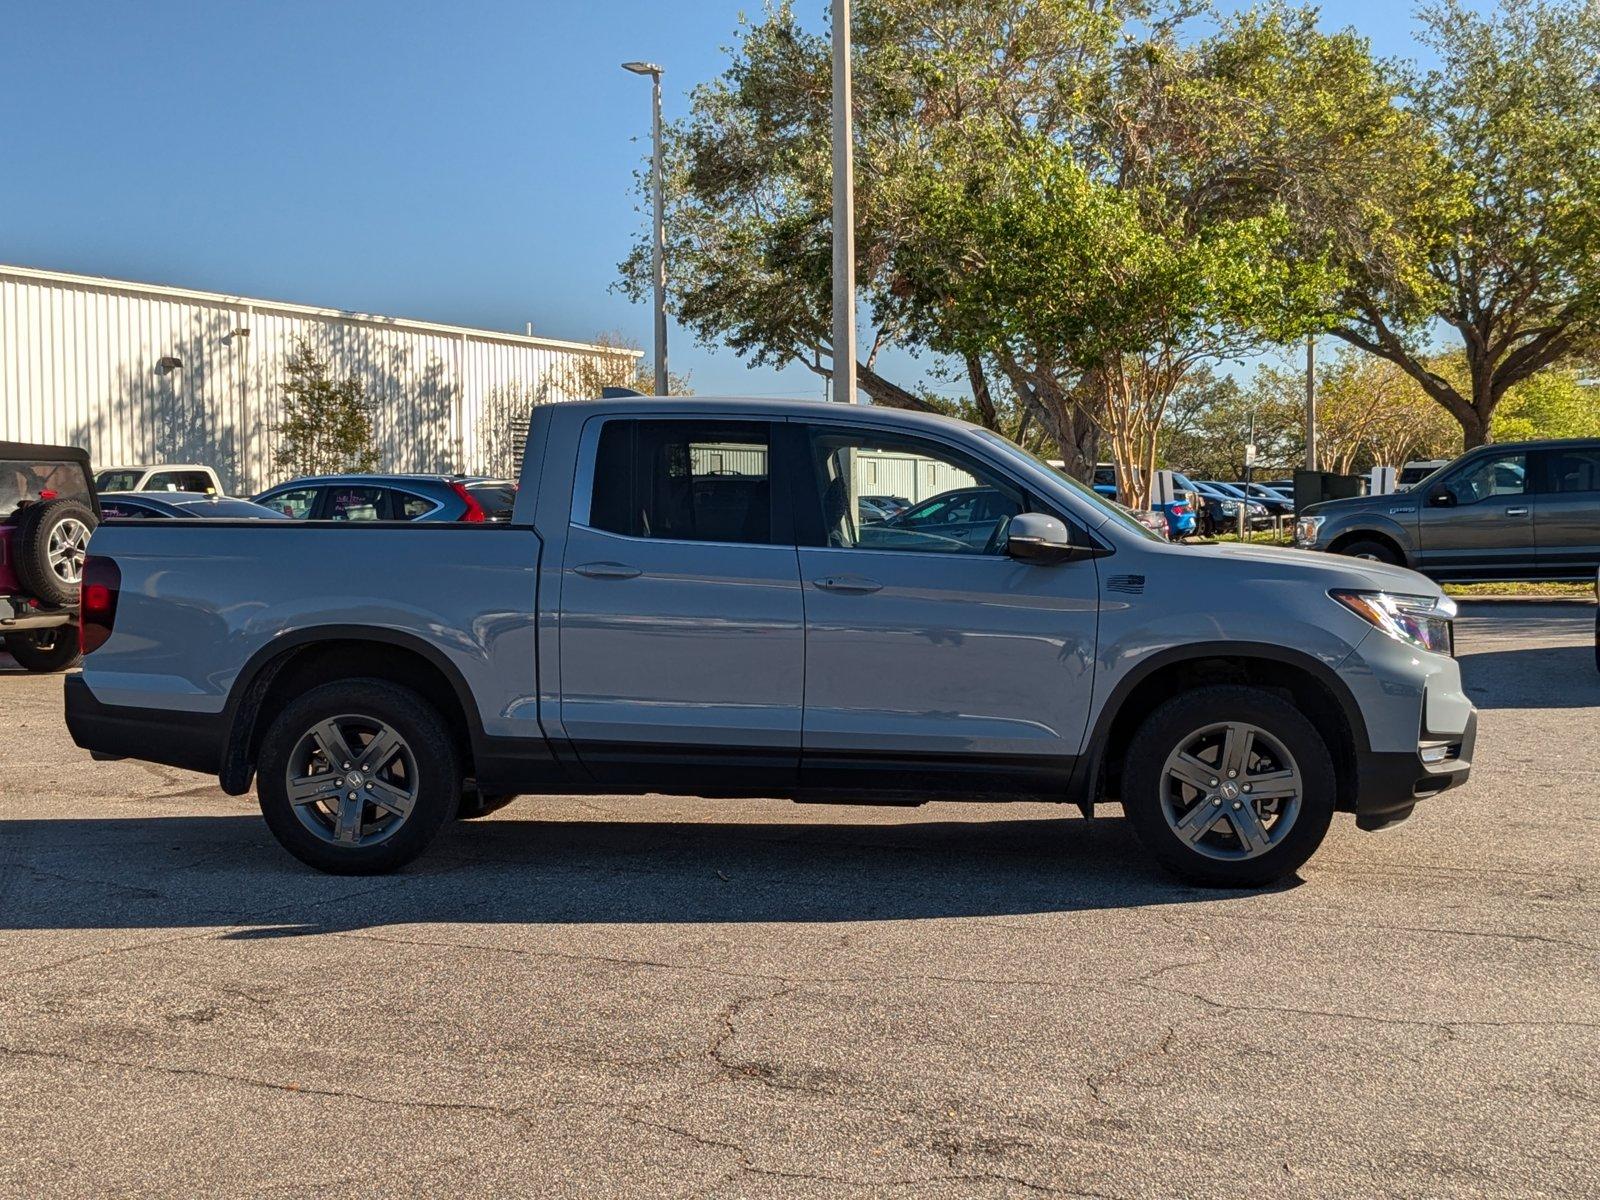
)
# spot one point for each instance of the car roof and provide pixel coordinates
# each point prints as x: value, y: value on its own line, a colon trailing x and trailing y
x: 812, y: 408
x: 174, y: 497
x: 372, y: 477
x: 1533, y: 444
x: 163, y: 466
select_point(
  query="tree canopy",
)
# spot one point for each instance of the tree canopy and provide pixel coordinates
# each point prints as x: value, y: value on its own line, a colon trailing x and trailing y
x: 1500, y: 241
x: 1076, y: 204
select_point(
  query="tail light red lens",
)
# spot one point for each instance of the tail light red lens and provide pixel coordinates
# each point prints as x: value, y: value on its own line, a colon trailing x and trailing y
x: 97, y: 602
x: 1179, y: 510
x: 474, y: 514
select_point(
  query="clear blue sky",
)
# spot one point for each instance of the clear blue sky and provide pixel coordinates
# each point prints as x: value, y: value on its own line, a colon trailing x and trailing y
x: 467, y: 162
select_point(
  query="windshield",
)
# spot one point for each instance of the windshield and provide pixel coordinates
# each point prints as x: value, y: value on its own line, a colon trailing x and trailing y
x: 1121, y: 516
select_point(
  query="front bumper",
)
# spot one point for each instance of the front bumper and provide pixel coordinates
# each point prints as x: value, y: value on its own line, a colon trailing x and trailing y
x: 1389, y: 784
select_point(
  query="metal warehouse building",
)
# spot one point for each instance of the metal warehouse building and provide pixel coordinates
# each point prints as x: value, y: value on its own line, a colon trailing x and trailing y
x: 138, y: 373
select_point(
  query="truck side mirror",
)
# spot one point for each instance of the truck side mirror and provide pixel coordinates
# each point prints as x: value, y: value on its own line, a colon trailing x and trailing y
x: 1442, y: 497
x: 1040, y: 538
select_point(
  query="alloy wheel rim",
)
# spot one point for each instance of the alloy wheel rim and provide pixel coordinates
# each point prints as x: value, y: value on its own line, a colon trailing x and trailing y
x: 352, y: 781
x: 66, y: 550
x: 1231, y: 791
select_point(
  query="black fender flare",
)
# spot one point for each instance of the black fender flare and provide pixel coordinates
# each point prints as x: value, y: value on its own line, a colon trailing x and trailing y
x: 255, y: 678
x: 1091, y: 763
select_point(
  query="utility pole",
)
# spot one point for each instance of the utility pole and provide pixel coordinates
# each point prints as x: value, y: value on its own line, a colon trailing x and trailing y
x: 658, y: 250
x: 1311, y: 403
x: 844, y: 214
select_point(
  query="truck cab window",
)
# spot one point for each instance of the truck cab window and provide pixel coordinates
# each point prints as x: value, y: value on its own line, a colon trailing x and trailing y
x: 701, y: 481
x: 958, y: 508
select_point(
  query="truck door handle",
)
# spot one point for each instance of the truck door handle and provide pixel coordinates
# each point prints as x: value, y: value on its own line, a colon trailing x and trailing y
x: 607, y: 570
x: 848, y: 583
x: 1516, y: 512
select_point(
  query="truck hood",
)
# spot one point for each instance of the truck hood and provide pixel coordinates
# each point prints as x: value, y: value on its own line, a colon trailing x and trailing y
x: 1355, y: 504
x: 1317, y: 568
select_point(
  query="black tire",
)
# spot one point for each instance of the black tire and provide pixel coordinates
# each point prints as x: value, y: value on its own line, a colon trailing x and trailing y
x: 35, y: 571
x: 43, y: 650
x: 1182, y: 718
x: 1372, y: 548
x: 438, y: 774
x: 475, y: 804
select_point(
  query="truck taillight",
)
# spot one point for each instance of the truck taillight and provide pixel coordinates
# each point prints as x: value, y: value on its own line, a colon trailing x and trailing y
x: 97, y: 601
x: 474, y: 514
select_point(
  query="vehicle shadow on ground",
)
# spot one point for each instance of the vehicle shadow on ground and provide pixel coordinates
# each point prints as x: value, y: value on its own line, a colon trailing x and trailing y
x: 225, y: 872
x: 1533, y: 677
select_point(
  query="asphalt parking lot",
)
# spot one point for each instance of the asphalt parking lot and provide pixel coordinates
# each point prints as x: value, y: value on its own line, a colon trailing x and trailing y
x: 608, y: 997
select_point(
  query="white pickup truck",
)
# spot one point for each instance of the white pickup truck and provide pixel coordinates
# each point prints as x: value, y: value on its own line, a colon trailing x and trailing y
x: 690, y: 599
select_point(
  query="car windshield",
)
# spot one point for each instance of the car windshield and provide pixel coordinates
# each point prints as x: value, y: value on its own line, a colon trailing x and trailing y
x: 38, y: 480
x: 117, y: 481
x: 1087, y: 494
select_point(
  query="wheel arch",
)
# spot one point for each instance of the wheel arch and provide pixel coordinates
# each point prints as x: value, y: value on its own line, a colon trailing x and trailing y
x: 1313, y: 686
x: 1371, y: 534
x: 307, y: 657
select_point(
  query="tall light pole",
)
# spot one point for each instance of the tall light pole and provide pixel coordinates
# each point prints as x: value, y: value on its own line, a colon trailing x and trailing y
x: 1311, y: 403
x: 844, y: 214
x: 658, y: 252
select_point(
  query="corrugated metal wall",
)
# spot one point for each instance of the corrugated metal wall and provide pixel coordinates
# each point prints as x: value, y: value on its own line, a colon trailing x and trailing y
x: 81, y: 363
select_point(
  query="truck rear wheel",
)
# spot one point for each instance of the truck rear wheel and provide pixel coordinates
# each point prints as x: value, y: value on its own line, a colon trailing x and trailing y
x: 53, y: 649
x: 358, y: 777
x: 1229, y: 786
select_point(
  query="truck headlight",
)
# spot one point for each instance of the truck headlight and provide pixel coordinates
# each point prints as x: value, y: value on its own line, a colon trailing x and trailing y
x: 1420, y: 621
x: 1306, y: 528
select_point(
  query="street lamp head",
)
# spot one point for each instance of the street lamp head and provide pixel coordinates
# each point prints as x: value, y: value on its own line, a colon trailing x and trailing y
x: 642, y: 68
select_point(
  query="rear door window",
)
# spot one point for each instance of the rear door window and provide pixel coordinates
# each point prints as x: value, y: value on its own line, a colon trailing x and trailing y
x: 702, y: 481
x: 1572, y: 471
x: 180, y: 481
x: 299, y: 503
x: 357, y: 504
x: 117, y: 481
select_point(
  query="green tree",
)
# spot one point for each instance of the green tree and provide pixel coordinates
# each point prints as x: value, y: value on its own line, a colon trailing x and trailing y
x: 1076, y: 201
x: 1551, y: 404
x: 1500, y: 240
x: 327, y: 423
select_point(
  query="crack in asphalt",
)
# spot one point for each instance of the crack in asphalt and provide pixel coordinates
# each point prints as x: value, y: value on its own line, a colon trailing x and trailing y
x: 261, y: 1084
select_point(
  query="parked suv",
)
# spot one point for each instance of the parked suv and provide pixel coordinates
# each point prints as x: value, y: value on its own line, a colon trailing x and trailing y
x: 647, y: 624
x: 47, y: 512
x: 366, y: 497
x: 1516, y: 510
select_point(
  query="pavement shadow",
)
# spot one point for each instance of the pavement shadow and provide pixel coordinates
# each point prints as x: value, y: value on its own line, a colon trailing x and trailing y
x: 227, y: 872
x: 1533, y: 677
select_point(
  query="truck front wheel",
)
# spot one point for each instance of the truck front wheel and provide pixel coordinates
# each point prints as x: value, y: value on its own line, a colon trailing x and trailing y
x: 357, y: 777
x: 1229, y: 786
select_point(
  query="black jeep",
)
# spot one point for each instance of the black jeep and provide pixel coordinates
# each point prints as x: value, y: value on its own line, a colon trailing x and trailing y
x: 48, y: 509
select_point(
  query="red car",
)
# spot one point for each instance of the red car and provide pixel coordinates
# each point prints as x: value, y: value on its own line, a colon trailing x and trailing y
x: 48, y: 510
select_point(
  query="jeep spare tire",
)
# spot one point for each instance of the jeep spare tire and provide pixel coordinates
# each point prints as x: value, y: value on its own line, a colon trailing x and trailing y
x: 51, y: 542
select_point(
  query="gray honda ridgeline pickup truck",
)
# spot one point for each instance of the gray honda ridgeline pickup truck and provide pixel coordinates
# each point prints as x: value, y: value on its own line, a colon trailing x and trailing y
x: 689, y: 600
